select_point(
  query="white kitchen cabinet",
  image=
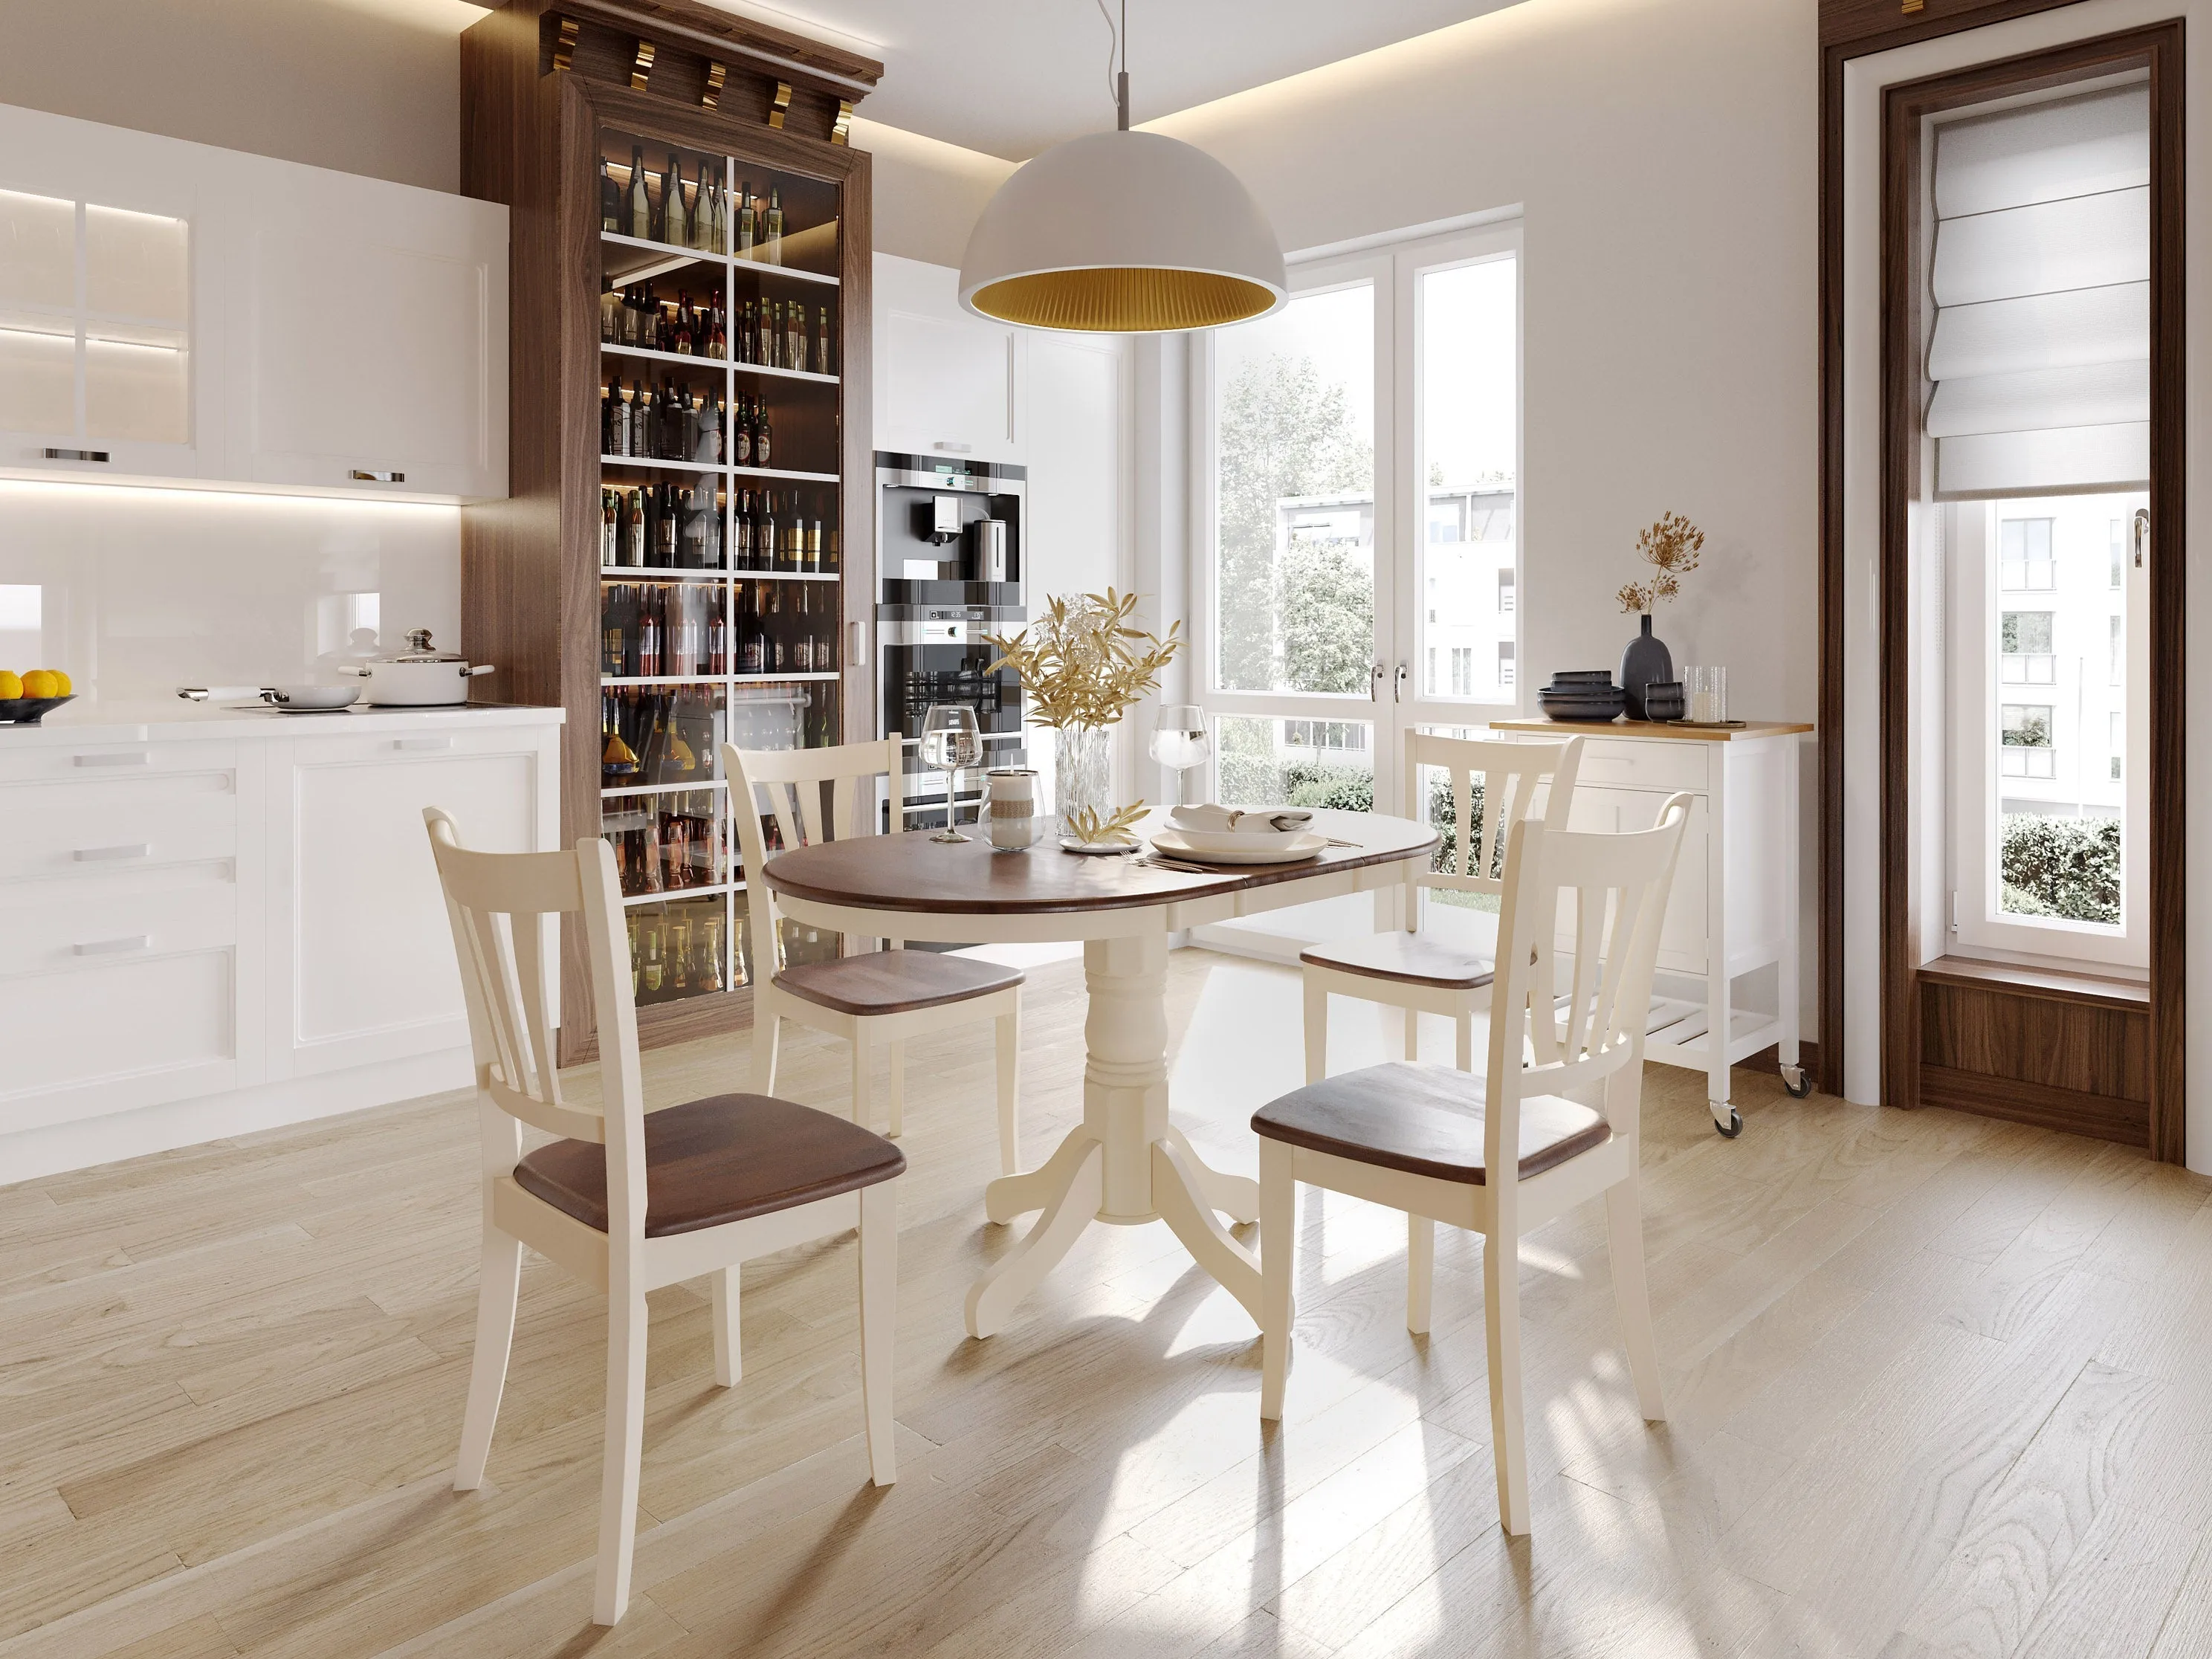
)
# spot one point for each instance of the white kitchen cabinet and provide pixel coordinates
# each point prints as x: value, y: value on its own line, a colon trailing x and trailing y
x: 367, y: 324
x: 948, y: 383
x: 174, y: 312
x: 361, y: 957
x: 213, y: 922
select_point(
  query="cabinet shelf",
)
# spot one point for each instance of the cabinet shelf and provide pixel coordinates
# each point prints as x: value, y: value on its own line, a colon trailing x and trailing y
x: 720, y: 679
x: 667, y: 894
x: 744, y: 263
x: 667, y: 467
x: 779, y: 473
x: 637, y: 573
x: 700, y: 359
x: 624, y: 791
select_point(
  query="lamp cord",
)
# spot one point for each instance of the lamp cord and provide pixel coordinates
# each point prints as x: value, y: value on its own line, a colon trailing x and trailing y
x: 1117, y: 87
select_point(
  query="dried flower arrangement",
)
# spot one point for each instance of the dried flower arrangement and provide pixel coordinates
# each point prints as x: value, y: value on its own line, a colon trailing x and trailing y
x: 1080, y: 662
x: 1119, y: 825
x: 1670, y: 547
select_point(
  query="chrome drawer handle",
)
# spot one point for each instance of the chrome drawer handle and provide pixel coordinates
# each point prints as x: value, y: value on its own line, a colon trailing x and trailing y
x: 360, y: 476
x: 76, y: 455
x: 114, y: 947
x: 140, y: 758
x: 954, y: 449
x: 96, y: 854
x: 422, y: 743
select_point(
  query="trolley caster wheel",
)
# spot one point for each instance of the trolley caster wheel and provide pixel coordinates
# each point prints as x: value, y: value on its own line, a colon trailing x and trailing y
x: 1798, y: 1080
x: 1732, y: 1127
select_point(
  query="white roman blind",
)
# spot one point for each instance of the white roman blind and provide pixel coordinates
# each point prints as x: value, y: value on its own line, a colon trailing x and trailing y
x: 2040, y: 354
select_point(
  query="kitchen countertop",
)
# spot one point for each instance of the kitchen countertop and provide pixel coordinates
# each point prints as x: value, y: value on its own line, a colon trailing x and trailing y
x: 151, y: 721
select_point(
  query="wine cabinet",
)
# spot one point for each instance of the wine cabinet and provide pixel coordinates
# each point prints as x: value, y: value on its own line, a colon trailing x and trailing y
x: 686, y: 556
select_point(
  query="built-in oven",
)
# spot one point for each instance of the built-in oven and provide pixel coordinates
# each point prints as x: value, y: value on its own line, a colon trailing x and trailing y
x: 950, y: 539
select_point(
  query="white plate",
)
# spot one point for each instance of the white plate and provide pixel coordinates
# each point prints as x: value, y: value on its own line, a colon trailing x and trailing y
x: 1234, y: 840
x: 1289, y: 850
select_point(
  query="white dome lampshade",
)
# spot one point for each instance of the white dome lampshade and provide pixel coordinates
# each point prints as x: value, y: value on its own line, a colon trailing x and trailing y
x: 1123, y: 232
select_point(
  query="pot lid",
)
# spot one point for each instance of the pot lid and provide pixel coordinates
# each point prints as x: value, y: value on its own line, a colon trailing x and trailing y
x: 418, y: 650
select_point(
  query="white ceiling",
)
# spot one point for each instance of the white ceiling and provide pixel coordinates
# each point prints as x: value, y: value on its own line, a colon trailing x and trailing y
x: 1012, y: 76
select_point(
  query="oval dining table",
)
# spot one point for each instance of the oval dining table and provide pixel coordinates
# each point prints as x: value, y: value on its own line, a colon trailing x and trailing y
x: 1126, y: 1162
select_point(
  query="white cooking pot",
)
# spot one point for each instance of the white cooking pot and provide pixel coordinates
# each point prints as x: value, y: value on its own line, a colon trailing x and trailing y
x: 420, y: 678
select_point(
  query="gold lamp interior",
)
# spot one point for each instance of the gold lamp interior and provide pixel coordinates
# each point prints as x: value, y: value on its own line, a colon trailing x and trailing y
x: 1123, y: 300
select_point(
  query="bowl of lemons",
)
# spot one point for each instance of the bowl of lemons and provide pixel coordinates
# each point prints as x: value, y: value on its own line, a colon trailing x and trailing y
x: 28, y: 698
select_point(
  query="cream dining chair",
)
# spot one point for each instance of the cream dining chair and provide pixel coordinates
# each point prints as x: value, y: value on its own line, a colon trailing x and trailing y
x: 630, y: 1199
x: 880, y: 997
x: 1504, y: 1152
x: 1411, y: 968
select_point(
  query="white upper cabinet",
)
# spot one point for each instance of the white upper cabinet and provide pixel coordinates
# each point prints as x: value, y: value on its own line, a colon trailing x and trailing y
x: 368, y: 324
x: 172, y: 311
x: 110, y: 286
x: 948, y: 384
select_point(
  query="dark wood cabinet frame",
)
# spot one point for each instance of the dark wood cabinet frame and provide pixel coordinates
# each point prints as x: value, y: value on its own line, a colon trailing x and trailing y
x: 1852, y: 30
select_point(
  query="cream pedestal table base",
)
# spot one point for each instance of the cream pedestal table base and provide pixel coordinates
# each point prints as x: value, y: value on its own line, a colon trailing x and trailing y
x: 1127, y: 1163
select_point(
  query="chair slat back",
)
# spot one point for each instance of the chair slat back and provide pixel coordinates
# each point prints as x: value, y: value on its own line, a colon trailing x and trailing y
x: 795, y: 782
x: 1546, y: 1039
x: 1510, y: 775
x: 503, y: 907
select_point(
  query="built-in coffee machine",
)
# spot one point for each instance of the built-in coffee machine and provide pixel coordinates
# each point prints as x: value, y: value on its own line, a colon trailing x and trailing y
x: 949, y: 544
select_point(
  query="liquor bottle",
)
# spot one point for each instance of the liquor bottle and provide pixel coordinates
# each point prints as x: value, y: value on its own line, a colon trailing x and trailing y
x: 746, y: 220
x: 814, y: 549
x: 763, y: 439
x: 718, y: 338
x: 607, y: 406
x: 718, y: 644
x: 680, y: 336
x: 610, y: 198
x: 610, y: 633
x: 772, y: 234
x: 640, y: 203
x: 710, y: 431
x: 750, y: 654
x: 741, y: 531
x: 649, y: 636
x: 802, y: 633
x: 676, y: 223
x: 608, y: 529
x: 632, y: 320
x: 652, y: 972
x: 764, y: 532
x: 721, y: 212
x: 665, y: 544
x: 741, y: 437
x: 825, y: 362
x: 742, y: 317
x: 825, y: 637
x: 610, y: 317
x: 764, y: 343
x: 634, y: 538
x: 775, y: 649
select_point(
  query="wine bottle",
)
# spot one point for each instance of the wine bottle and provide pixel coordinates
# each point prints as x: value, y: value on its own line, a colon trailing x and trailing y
x: 749, y: 653
x: 610, y: 317
x: 741, y: 437
x: 825, y: 637
x: 607, y: 405
x: 764, y: 531
x: 680, y: 334
x: 746, y: 220
x: 764, y: 347
x: 718, y: 644
x: 610, y: 198
x: 640, y: 203
x: 718, y: 341
x: 675, y: 223
x: 825, y: 362
x: 777, y: 648
x: 649, y: 636
x: 608, y: 529
x: 763, y: 439
x: 665, y: 545
x: 631, y: 320
x: 795, y: 336
x: 814, y: 539
x: 710, y: 431
x: 802, y: 634
x: 721, y: 212
x: 772, y: 232
x: 635, y: 539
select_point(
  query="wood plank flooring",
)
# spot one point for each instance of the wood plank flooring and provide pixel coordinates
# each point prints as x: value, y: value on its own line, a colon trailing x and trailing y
x: 1938, y: 1385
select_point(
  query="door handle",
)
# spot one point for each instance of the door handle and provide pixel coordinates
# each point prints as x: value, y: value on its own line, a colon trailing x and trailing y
x: 76, y: 455
x: 856, y: 655
x: 138, y: 758
x: 96, y: 854
x: 422, y: 743
x: 360, y: 476
x: 1398, y: 684
x: 1375, y: 683
x: 2139, y: 533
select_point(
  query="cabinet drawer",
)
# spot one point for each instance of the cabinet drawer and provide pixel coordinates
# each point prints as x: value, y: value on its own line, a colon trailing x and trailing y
x: 1682, y: 938
x: 148, y: 765
x: 107, y: 1034
x: 1662, y: 763
x: 148, y: 913
x: 85, y: 832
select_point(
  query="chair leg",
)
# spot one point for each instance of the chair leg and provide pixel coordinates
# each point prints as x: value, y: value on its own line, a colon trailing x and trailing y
x: 864, y: 1077
x: 765, y: 1034
x: 1413, y: 1033
x: 898, y: 1125
x: 878, y: 1321
x: 729, y: 1359
x: 1463, y: 1054
x: 1316, y: 1029
x: 625, y: 1444
x: 499, y: 1286
x: 1279, y: 1237
x: 1501, y: 1311
x: 1010, y: 1080
x: 1631, y: 1298
x: 1420, y: 1272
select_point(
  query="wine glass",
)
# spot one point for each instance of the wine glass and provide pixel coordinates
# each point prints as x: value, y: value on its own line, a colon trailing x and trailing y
x: 950, y: 740
x: 1180, y: 743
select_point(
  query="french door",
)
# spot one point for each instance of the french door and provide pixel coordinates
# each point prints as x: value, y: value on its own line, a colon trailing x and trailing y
x: 1358, y: 474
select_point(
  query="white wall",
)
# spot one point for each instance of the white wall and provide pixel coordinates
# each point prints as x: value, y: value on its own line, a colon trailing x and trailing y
x: 926, y: 195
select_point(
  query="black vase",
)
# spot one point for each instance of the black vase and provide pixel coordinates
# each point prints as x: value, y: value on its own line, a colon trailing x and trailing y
x: 1645, y: 660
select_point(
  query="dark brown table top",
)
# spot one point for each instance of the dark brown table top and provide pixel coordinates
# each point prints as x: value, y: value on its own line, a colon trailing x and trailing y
x: 911, y: 872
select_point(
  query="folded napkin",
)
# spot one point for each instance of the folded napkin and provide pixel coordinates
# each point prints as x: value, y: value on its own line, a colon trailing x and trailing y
x: 1256, y: 820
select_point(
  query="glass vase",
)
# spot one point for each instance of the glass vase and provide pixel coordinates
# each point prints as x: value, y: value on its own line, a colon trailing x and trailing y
x: 1081, y: 777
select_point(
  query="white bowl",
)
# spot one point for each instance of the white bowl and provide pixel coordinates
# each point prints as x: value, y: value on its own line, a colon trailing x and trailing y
x: 1237, y: 840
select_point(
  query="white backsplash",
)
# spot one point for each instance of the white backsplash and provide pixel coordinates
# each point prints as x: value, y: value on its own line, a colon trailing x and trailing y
x: 134, y: 593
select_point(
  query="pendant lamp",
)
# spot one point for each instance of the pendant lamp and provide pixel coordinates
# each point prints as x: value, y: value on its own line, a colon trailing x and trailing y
x: 1123, y: 232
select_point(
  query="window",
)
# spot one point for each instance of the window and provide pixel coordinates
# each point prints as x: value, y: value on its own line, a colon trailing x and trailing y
x: 1325, y: 734
x: 2024, y: 546
x: 2118, y: 535
x: 1463, y: 669
x: 2116, y: 728
x: 1505, y: 662
x: 2026, y: 736
x: 1429, y: 681
x: 1505, y: 593
x: 2119, y: 654
x: 2024, y: 645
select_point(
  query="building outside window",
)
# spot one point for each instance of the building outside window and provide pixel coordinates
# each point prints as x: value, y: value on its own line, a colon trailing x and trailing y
x: 2026, y: 750
x: 2024, y: 644
x: 1505, y: 591
x: 2024, y: 551
x: 1505, y: 662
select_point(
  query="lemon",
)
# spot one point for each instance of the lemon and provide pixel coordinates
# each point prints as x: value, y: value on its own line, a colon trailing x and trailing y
x: 11, y: 685
x: 62, y: 686
x: 39, y: 683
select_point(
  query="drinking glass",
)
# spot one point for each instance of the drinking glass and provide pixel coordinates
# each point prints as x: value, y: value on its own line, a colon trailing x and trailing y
x: 950, y: 739
x: 1707, y: 689
x: 1181, y: 744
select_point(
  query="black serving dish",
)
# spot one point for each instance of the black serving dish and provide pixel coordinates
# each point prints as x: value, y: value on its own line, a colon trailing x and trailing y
x: 1593, y: 704
x: 29, y: 711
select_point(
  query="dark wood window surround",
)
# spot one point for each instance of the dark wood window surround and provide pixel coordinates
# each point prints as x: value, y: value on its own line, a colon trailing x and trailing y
x: 2069, y: 1051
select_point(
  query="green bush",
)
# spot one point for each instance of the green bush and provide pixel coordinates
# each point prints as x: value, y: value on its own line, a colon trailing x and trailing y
x: 2068, y: 868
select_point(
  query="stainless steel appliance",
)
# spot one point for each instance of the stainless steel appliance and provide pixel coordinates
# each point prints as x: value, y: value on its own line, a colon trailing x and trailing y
x: 948, y: 540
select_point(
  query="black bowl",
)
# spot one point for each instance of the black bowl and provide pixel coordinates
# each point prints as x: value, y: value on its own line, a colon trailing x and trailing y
x: 28, y: 711
x: 1580, y: 677
x: 1595, y: 705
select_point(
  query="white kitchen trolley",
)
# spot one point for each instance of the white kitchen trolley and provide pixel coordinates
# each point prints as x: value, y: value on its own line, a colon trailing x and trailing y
x: 1735, y: 904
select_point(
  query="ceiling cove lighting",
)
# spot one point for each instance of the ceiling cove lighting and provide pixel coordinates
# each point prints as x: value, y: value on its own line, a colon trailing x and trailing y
x: 1123, y: 232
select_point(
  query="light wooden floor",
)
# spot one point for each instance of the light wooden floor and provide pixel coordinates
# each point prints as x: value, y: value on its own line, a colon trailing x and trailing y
x: 1939, y: 1385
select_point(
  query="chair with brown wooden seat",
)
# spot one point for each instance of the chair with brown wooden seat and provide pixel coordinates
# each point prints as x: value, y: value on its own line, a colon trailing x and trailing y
x: 1415, y: 969
x: 877, y: 997
x: 1503, y: 1153
x: 629, y: 1201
